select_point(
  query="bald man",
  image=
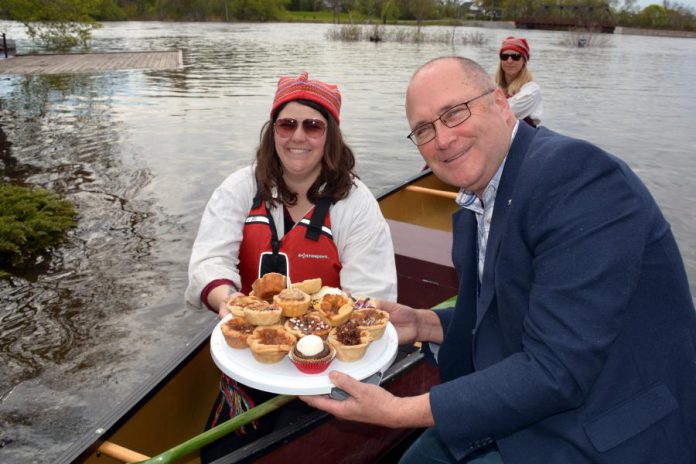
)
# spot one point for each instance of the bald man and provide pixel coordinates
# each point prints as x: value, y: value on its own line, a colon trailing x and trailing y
x: 573, y: 337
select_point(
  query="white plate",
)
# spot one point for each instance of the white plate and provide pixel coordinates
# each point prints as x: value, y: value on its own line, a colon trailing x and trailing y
x: 283, y: 377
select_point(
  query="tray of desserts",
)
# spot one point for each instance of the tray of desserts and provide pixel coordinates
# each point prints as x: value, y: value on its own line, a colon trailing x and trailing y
x: 288, y: 342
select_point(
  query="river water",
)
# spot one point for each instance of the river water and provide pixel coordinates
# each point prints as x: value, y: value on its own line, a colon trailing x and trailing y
x: 140, y: 152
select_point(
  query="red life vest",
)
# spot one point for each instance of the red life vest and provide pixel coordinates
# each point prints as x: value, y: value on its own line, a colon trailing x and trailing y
x: 309, y: 247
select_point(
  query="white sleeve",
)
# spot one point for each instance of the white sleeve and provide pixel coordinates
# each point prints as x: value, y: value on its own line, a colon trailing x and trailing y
x: 364, y: 245
x: 527, y: 102
x: 215, y: 252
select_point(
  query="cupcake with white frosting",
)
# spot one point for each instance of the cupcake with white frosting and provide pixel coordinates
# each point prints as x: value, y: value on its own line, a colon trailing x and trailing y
x: 312, y: 355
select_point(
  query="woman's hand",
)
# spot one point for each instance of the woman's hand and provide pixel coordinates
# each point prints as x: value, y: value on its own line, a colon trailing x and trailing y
x: 222, y: 309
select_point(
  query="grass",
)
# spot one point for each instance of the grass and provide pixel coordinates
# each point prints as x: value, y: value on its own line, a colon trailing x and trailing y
x: 356, y: 33
x: 317, y: 17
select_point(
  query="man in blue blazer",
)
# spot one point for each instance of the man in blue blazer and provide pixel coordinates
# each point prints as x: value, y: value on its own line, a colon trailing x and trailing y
x: 573, y: 339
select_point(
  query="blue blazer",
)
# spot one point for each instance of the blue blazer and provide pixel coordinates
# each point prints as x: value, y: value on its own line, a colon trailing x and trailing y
x: 579, y: 344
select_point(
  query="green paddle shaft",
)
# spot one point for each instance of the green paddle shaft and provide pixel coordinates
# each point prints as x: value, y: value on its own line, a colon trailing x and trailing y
x: 199, y: 441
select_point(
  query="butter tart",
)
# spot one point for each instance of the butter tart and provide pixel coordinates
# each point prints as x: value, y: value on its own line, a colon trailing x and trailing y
x: 350, y: 342
x: 236, y: 305
x: 334, y: 309
x: 308, y: 286
x: 236, y: 331
x: 268, y: 285
x: 316, y: 297
x: 268, y: 315
x: 270, y: 344
x: 292, y: 302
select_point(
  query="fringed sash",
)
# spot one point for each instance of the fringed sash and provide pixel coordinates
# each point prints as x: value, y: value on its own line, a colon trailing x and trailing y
x: 237, y: 400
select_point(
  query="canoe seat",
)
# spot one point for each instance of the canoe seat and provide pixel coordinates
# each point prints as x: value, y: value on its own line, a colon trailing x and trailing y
x: 422, y: 243
x: 426, y: 274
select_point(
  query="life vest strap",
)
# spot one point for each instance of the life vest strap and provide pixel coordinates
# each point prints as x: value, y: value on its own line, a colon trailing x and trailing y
x: 316, y: 223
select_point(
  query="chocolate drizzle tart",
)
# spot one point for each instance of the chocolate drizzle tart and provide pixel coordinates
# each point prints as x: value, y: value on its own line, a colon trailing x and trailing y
x: 350, y: 341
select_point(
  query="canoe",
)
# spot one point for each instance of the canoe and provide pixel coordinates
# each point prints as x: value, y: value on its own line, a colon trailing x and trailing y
x: 174, y: 404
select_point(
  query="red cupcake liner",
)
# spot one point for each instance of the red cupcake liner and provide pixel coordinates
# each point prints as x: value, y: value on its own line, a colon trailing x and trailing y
x: 313, y: 366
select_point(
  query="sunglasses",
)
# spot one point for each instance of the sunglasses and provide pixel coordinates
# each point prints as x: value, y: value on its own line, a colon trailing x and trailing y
x: 514, y: 56
x: 286, y: 127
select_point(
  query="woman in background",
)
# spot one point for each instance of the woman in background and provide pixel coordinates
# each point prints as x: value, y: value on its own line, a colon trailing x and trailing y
x: 515, y: 78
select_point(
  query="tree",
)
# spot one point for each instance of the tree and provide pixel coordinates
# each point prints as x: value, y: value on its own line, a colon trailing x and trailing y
x: 390, y: 11
x: 653, y: 16
x: 423, y: 9
x: 56, y: 24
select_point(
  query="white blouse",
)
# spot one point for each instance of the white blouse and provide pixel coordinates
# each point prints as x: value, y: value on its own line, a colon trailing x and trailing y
x: 360, y: 232
x: 527, y: 102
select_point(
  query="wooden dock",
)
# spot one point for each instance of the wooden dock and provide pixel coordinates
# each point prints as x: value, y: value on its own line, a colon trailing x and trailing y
x: 90, y: 62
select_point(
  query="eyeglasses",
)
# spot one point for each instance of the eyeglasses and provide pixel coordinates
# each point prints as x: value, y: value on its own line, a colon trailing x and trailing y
x: 286, y: 127
x: 450, y: 118
x: 514, y: 56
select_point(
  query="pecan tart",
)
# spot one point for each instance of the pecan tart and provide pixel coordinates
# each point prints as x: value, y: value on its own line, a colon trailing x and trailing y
x: 270, y: 344
x: 292, y: 302
x: 350, y: 342
x: 236, y: 331
x: 371, y: 319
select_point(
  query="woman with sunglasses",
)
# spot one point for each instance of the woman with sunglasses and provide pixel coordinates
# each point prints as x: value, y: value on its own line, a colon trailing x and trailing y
x: 300, y: 210
x: 514, y: 77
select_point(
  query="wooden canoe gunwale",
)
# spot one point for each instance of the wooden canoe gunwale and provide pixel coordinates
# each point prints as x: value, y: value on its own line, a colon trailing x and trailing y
x: 119, y: 415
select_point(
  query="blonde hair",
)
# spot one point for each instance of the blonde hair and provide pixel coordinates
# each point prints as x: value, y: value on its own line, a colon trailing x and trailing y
x: 511, y: 88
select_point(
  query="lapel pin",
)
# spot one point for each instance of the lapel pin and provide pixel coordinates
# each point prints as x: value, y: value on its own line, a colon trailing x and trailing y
x: 509, y: 201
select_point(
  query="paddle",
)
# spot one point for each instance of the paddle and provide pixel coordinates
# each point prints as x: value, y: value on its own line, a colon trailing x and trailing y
x: 199, y: 441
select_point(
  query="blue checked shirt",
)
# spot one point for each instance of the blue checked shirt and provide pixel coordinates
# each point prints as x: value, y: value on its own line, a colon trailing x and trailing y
x: 484, y: 213
x: 483, y: 209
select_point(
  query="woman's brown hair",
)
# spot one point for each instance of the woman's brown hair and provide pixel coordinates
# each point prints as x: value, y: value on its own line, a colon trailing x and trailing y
x: 335, y: 179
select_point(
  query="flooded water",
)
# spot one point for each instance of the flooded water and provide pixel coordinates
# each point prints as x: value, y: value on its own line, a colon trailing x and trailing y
x: 140, y: 152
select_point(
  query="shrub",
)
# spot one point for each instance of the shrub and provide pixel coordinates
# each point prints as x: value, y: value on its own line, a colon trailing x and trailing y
x: 31, y: 221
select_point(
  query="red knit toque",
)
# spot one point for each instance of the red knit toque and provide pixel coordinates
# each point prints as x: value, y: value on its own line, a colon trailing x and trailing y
x: 517, y: 45
x: 301, y: 88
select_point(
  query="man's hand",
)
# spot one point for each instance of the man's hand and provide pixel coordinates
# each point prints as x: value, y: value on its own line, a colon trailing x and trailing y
x: 413, y: 325
x: 367, y: 403
x: 404, y: 319
x: 373, y: 405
